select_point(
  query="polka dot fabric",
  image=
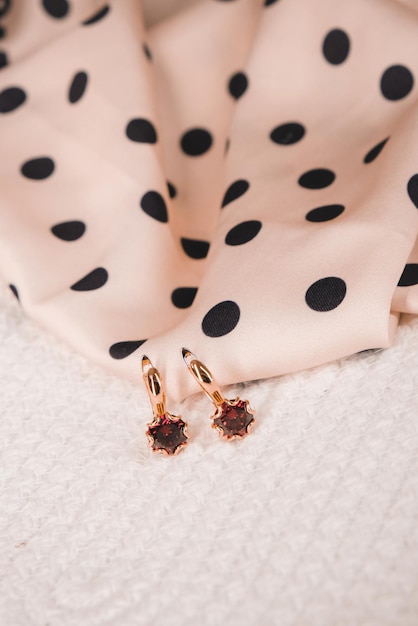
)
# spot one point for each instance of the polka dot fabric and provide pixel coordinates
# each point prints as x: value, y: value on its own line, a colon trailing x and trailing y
x: 126, y: 224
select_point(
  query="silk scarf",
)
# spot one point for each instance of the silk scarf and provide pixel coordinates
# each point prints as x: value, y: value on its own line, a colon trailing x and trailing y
x: 239, y: 178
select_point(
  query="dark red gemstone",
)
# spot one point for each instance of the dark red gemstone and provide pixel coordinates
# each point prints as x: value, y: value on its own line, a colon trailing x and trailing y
x: 234, y: 419
x: 168, y: 434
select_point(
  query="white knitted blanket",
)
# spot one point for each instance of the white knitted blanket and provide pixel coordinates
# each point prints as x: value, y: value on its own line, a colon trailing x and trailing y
x: 310, y: 521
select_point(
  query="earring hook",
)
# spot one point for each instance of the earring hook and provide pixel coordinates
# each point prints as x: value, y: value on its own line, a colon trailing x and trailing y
x: 154, y: 387
x: 203, y: 376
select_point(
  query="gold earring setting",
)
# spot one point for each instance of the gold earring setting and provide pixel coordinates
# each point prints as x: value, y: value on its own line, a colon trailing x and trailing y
x: 166, y: 433
x: 233, y: 419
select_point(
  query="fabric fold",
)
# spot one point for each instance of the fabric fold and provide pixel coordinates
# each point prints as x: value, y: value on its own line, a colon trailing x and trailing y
x: 240, y: 179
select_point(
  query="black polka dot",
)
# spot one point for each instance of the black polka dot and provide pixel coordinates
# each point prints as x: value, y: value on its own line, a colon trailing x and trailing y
x: 147, y: 51
x: 14, y: 291
x: 3, y: 59
x: 153, y: 204
x: 183, y: 297
x: 4, y: 6
x: 38, y: 169
x: 221, y: 319
x: 409, y: 275
x: 11, y: 99
x: 326, y: 294
x: 286, y: 134
x: 56, y: 8
x: 336, y: 46
x: 235, y: 191
x: 268, y: 3
x: 77, y: 87
x: 141, y: 130
x: 96, y: 17
x: 196, y: 141
x: 396, y: 82
x: 195, y: 248
x: 94, y: 280
x: 124, y: 348
x: 325, y: 213
x: 317, y: 179
x: 172, y: 191
x: 243, y: 233
x: 237, y: 85
x: 374, y: 152
x: 369, y: 351
x: 69, y: 231
x: 413, y: 189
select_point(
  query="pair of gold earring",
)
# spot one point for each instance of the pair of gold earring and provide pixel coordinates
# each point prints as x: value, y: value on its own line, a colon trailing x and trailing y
x: 167, y: 433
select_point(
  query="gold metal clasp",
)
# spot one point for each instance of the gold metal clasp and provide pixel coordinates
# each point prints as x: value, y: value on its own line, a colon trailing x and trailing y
x: 154, y: 387
x: 203, y: 376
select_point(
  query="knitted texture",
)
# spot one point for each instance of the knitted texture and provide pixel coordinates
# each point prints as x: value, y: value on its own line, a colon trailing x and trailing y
x: 310, y: 521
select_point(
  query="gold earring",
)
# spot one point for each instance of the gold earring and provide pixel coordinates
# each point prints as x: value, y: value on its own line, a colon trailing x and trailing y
x: 166, y: 433
x: 233, y: 419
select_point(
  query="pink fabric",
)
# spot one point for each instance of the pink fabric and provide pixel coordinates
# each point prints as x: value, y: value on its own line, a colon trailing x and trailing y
x: 298, y: 116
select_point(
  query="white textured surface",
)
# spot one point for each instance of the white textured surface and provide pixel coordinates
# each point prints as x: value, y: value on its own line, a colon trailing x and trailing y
x: 311, y: 521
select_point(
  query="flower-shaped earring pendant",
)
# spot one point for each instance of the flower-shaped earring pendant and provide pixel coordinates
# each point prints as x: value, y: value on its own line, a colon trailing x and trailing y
x: 233, y: 419
x: 166, y: 433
